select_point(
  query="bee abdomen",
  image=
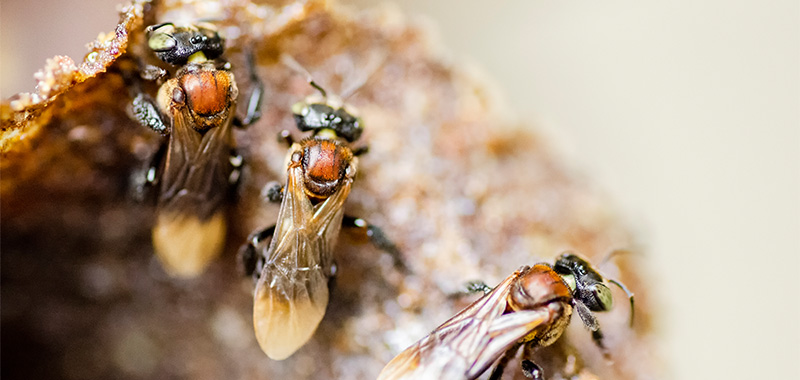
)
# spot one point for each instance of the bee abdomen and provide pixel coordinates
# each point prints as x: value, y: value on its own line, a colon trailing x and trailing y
x: 287, y: 309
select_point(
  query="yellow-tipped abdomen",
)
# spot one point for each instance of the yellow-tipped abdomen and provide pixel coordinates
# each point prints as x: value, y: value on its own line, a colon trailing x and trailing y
x: 283, y: 326
x: 185, y: 245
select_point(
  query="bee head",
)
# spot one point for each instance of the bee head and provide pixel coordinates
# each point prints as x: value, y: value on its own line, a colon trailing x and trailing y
x: 315, y: 113
x: 176, y: 45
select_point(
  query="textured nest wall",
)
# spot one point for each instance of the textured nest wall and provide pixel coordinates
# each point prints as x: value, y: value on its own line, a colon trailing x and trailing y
x: 464, y: 195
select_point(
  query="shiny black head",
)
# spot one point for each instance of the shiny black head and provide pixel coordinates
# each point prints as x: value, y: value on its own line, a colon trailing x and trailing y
x: 587, y: 285
x: 176, y: 44
x: 313, y: 115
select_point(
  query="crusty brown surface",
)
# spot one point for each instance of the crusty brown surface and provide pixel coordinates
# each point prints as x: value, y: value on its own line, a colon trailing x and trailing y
x: 464, y: 195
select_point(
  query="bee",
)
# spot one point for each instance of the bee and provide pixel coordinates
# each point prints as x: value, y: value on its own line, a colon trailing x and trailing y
x: 196, y: 167
x: 530, y: 308
x: 292, y: 270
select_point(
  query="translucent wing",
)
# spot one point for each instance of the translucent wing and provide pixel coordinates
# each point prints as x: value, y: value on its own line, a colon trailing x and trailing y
x: 467, y: 344
x: 196, y: 169
x: 190, y: 226
x: 292, y: 292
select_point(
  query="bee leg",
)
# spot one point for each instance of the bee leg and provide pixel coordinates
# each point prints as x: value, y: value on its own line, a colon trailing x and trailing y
x: 144, y: 179
x: 597, y: 337
x: 256, y: 92
x: 273, y: 191
x: 248, y: 258
x: 478, y: 286
x: 237, y: 166
x: 471, y: 288
x: 135, y: 70
x: 145, y: 111
x: 591, y: 322
x: 143, y: 108
x: 361, y: 150
x: 497, y: 373
x: 151, y: 72
x: 332, y: 277
x: 532, y: 370
x: 586, y: 316
x: 378, y: 239
x: 285, y: 137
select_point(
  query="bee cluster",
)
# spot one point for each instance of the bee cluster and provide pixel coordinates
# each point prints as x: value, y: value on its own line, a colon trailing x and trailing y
x: 292, y: 262
x: 211, y: 172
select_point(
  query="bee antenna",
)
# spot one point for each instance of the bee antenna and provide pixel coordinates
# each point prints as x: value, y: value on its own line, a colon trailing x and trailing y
x: 209, y: 20
x: 375, y: 63
x: 151, y: 28
x: 613, y: 253
x: 608, y: 257
x: 587, y: 317
x: 319, y: 88
x: 295, y: 66
x: 628, y: 292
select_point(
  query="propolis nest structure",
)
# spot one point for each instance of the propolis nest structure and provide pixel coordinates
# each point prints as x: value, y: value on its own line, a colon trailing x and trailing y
x: 464, y: 193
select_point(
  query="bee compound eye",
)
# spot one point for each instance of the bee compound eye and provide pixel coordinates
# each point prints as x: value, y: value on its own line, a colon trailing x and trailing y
x: 570, y: 281
x: 602, y: 295
x: 162, y: 42
x: 300, y: 108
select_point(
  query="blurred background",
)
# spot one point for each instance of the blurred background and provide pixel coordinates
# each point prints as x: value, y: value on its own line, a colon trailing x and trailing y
x: 686, y: 113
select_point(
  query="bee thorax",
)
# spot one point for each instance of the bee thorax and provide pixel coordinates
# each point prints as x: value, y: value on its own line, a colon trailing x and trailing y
x: 325, y: 164
x: 207, y: 91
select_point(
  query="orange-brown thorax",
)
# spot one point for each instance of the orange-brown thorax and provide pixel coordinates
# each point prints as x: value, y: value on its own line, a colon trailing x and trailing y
x: 536, y: 287
x: 207, y: 94
x: 207, y: 91
x: 325, y: 163
x: 542, y: 287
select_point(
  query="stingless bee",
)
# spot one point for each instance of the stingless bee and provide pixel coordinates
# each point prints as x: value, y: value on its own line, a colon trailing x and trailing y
x: 292, y: 271
x: 196, y: 168
x: 530, y: 308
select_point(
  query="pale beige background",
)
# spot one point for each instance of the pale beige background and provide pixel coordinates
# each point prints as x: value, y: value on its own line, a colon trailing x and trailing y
x: 686, y: 112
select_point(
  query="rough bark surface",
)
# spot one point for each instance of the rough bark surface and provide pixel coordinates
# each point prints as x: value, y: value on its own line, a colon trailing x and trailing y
x: 464, y: 195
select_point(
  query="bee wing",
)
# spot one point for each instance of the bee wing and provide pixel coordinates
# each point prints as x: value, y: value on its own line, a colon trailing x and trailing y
x: 190, y: 228
x: 196, y: 168
x: 504, y: 332
x: 292, y: 293
x: 467, y: 344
